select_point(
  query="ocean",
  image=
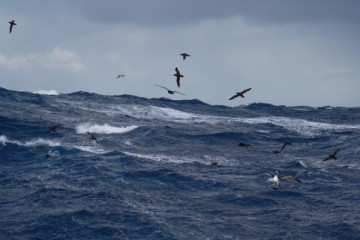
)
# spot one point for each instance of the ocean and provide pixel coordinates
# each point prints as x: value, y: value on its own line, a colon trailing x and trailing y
x: 173, y: 169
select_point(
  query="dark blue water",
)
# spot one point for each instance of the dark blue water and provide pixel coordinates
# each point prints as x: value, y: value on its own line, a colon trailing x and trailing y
x: 150, y: 174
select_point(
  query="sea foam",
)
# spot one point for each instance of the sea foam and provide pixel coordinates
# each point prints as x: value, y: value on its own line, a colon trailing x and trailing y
x: 102, y: 129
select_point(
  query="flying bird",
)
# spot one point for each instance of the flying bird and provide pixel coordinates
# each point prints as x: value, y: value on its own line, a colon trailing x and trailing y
x: 12, y: 23
x: 178, y: 76
x: 120, y: 75
x: 332, y: 156
x: 284, y: 145
x: 92, y: 136
x: 275, y: 178
x: 53, y: 128
x: 170, y: 91
x: 240, y: 94
x: 184, y: 55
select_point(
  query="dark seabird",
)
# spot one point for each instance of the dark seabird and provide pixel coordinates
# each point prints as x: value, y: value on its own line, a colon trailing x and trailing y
x: 276, y: 178
x: 275, y: 151
x: 178, y: 76
x: 120, y: 75
x: 240, y: 94
x: 184, y: 55
x: 214, y: 164
x: 92, y: 136
x: 170, y: 91
x: 284, y: 145
x: 332, y: 156
x: 12, y: 23
x: 244, y: 145
x: 53, y: 128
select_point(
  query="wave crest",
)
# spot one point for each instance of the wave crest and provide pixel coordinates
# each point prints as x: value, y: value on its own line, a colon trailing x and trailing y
x: 102, y: 129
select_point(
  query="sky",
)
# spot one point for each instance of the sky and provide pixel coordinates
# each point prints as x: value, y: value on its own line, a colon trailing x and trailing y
x: 290, y: 52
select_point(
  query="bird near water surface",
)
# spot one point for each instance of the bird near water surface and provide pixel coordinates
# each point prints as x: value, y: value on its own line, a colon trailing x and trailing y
x: 240, y: 94
x: 332, y: 156
x: 276, y: 178
x: 170, y: 91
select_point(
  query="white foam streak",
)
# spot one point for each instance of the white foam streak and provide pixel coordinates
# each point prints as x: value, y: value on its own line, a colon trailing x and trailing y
x: 3, y: 140
x: 102, y: 129
x: 47, y: 92
x: 31, y: 143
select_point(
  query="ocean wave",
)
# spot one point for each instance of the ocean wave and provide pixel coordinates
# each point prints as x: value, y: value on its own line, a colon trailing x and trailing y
x: 102, y: 129
x: 46, y: 92
x: 32, y: 143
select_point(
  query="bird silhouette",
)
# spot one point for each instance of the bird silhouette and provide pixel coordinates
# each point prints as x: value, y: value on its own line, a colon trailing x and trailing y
x: 53, y: 128
x: 92, y: 136
x: 12, y: 23
x: 120, y: 75
x: 184, y: 55
x: 240, y: 94
x: 244, y: 145
x: 170, y: 91
x: 332, y: 156
x: 284, y: 145
x: 178, y: 76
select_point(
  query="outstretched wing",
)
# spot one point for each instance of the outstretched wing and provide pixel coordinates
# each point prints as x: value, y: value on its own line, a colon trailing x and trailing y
x: 177, y: 71
x: 337, y: 150
x: 236, y: 95
x: 246, y: 90
x: 291, y: 178
x: 180, y: 93
x: 161, y: 87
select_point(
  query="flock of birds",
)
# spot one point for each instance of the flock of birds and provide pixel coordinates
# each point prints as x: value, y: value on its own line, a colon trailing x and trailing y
x: 275, y: 177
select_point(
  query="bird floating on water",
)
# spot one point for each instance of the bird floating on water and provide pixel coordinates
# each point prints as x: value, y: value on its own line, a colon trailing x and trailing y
x: 240, y: 94
x: 12, y: 23
x: 244, y: 144
x: 275, y: 178
x: 184, y: 55
x: 178, y: 76
x: 332, y: 156
x: 170, y: 91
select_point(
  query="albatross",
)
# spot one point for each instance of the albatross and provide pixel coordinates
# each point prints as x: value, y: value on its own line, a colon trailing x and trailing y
x: 332, y: 156
x: 276, y: 178
x: 240, y: 94
x: 170, y: 91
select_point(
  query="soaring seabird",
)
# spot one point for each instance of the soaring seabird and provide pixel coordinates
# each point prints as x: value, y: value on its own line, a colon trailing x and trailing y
x: 170, y: 91
x: 332, y: 156
x: 184, y: 55
x: 244, y: 145
x: 92, y: 136
x: 240, y: 94
x: 12, y: 23
x: 120, y: 75
x: 178, y: 76
x: 53, y: 128
x: 284, y: 145
x: 276, y: 178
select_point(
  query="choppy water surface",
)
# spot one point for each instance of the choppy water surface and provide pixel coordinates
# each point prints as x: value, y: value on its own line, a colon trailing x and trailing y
x: 150, y: 173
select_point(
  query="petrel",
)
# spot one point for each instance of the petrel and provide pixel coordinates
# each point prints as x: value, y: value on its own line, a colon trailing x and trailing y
x: 332, y: 156
x: 276, y: 178
x: 92, y: 136
x: 12, y: 23
x: 184, y: 55
x: 120, y: 75
x: 53, y: 128
x: 244, y: 145
x: 178, y: 76
x: 240, y: 94
x: 284, y: 145
x: 170, y: 91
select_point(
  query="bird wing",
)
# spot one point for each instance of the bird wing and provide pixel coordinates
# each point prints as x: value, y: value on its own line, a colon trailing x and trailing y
x: 236, y: 95
x: 291, y: 178
x: 246, y: 90
x: 178, y: 81
x: 11, y: 26
x: 161, y: 87
x: 177, y: 71
x: 180, y: 93
x: 336, y: 151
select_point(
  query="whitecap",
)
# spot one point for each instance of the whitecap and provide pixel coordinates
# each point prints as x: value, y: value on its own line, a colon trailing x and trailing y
x: 102, y: 129
x: 46, y: 92
x: 3, y: 140
x: 41, y: 142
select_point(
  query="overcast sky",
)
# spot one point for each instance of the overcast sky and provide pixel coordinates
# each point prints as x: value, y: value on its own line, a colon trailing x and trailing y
x: 290, y: 52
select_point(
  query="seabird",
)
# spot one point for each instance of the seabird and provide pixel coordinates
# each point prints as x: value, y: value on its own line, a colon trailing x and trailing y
x: 184, y: 55
x: 276, y: 178
x: 244, y: 145
x: 178, y: 76
x: 240, y: 94
x: 92, y: 136
x: 120, y: 75
x: 214, y: 163
x: 53, y: 128
x: 332, y: 156
x: 12, y: 23
x: 284, y: 145
x: 170, y: 91
x: 275, y: 151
